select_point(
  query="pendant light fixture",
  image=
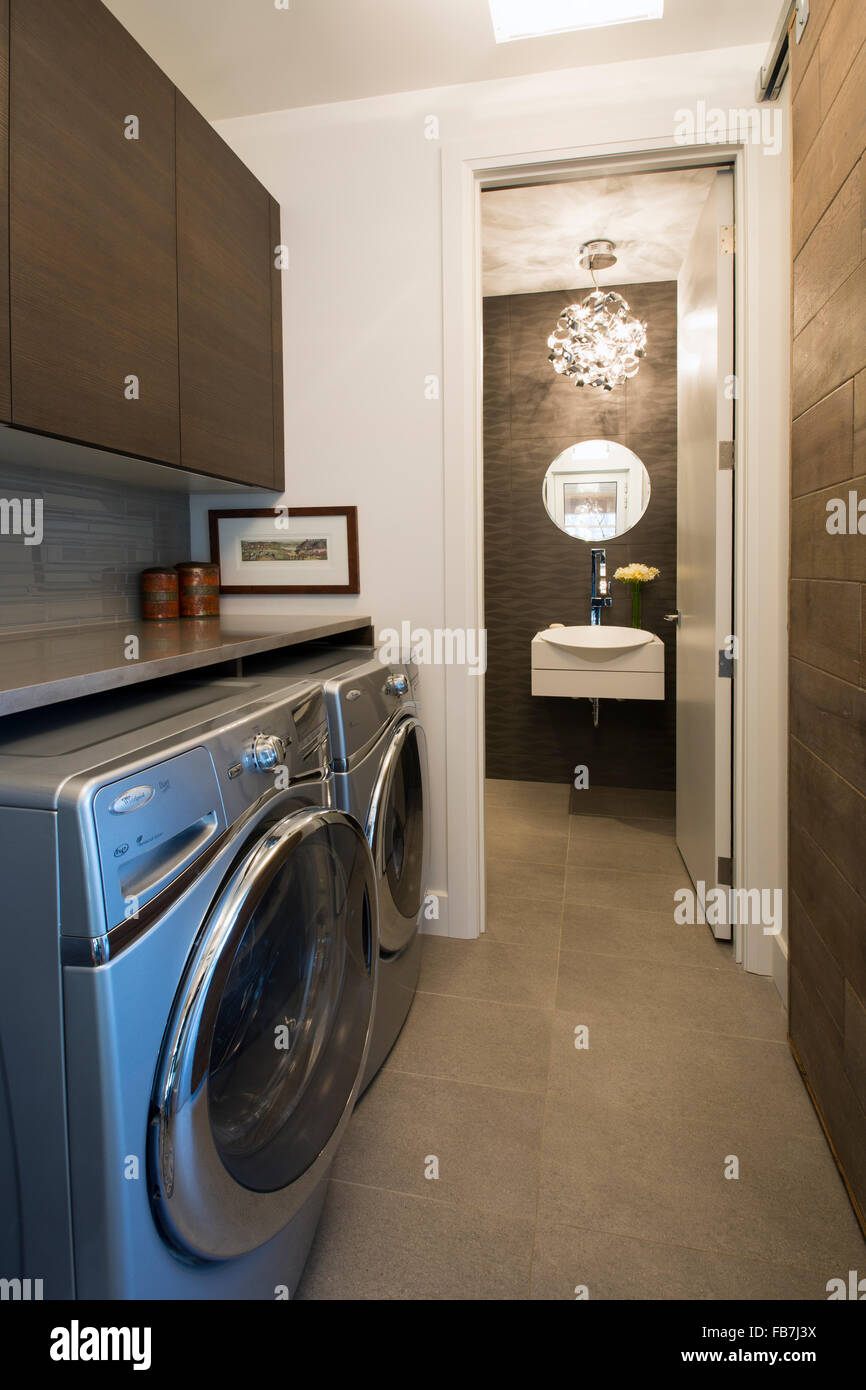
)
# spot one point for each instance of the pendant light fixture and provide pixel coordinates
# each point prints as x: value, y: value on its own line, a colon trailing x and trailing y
x: 598, y: 342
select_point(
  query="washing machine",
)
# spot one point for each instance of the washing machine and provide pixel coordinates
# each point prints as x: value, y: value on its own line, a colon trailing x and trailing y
x: 379, y: 759
x: 190, y: 956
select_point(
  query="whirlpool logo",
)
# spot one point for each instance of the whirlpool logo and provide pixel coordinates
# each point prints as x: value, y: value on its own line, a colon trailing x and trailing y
x: 77, y: 1343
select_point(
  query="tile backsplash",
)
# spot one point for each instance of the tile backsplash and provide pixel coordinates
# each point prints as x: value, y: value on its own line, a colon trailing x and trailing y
x: 98, y: 535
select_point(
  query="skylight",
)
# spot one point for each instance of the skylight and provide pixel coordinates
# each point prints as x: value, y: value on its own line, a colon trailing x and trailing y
x: 530, y: 19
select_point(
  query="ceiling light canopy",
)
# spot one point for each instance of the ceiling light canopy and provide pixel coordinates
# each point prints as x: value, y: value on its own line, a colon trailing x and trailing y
x: 530, y: 19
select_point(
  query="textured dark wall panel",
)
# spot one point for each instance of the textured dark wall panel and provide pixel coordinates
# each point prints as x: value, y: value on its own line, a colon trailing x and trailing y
x: 827, y: 615
x: 535, y: 575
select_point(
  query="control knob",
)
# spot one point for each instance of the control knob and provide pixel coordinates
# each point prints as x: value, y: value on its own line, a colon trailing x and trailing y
x: 266, y: 752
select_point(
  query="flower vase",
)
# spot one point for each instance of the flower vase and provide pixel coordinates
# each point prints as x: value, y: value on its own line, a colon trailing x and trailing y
x: 635, y: 604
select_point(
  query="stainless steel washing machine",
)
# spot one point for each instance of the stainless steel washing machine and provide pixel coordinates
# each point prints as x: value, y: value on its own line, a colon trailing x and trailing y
x: 190, y: 957
x: 379, y: 754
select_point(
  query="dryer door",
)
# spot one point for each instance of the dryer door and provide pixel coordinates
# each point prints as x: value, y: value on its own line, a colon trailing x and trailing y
x: 263, y: 1056
x: 397, y: 833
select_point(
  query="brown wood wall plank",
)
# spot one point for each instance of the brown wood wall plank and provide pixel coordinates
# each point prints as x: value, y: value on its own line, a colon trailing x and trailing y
x: 827, y: 614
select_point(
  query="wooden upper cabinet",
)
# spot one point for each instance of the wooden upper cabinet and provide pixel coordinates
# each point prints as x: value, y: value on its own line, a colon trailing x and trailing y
x: 93, y: 232
x: 231, y: 387
x: 5, y: 368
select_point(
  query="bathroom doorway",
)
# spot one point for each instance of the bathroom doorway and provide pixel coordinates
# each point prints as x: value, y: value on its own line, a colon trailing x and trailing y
x: 607, y: 369
x: 760, y: 455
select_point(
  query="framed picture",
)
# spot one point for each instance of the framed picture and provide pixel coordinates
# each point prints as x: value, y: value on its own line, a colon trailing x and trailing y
x: 286, y: 550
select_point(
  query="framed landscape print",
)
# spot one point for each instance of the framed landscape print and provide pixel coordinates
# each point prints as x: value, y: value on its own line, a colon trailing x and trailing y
x: 286, y: 550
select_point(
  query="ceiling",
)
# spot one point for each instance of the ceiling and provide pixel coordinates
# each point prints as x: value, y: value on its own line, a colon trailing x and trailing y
x: 236, y: 57
x: 530, y: 235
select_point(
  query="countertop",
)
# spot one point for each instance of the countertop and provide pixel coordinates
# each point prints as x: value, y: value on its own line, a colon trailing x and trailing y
x: 44, y: 666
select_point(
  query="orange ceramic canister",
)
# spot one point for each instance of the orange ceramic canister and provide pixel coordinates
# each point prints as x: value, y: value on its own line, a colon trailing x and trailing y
x: 159, y: 594
x: 199, y: 589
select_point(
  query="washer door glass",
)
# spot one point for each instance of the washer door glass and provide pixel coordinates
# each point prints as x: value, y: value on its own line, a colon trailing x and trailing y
x: 264, y: 1054
x: 289, y: 1035
x: 397, y: 834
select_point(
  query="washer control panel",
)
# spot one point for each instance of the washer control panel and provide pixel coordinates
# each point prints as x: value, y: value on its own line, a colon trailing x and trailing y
x: 152, y: 826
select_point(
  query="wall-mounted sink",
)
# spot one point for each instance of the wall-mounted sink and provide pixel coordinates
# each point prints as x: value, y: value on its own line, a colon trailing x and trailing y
x: 598, y: 663
x: 597, y: 641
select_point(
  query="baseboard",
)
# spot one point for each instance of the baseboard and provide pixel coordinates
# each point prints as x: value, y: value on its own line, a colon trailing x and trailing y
x: 858, y: 1210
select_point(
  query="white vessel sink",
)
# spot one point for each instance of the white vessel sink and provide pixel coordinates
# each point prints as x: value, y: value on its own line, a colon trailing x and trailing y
x: 598, y: 663
x: 588, y: 639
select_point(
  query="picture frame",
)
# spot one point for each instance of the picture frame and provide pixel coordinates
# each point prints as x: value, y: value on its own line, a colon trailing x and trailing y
x: 286, y: 550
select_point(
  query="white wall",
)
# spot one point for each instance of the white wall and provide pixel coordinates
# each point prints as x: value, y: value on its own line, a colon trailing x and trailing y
x: 360, y: 187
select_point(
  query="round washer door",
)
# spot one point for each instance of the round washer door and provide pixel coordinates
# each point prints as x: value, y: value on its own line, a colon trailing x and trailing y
x: 397, y: 831
x: 264, y: 1052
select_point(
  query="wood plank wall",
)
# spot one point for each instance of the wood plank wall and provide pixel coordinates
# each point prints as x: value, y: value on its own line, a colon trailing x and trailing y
x: 827, y: 900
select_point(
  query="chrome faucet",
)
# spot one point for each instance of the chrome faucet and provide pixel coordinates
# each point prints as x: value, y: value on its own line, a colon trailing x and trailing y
x: 600, y: 587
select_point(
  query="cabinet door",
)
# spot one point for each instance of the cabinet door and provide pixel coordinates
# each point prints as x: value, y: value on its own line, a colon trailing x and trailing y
x: 230, y: 389
x: 5, y: 369
x: 93, y: 232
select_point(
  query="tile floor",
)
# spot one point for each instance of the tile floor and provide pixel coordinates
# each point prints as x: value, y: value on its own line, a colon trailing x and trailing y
x: 600, y: 1167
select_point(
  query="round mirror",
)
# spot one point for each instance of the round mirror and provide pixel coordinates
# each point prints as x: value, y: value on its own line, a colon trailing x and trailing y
x: 596, y: 490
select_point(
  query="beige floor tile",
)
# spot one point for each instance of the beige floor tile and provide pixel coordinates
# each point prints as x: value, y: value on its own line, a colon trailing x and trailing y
x: 611, y: 990
x: 647, y: 853
x: 630, y: 890
x: 623, y: 801
x: 621, y: 830
x: 495, y: 970
x: 373, y: 1244
x: 523, y: 921
x: 505, y: 819
x: 609, y: 1169
x: 475, y: 1041
x: 532, y: 846
x: 487, y: 1143
x: 652, y: 936
x: 683, y: 1076
x: 525, y: 879
x: 616, y: 1267
x: 543, y: 795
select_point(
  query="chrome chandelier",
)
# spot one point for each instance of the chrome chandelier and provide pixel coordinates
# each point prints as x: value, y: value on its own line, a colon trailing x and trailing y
x: 598, y: 342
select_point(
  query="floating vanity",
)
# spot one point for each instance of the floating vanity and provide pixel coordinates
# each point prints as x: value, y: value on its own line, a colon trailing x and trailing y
x: 598, y: 663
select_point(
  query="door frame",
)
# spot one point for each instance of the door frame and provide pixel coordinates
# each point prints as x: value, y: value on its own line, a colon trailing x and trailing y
x: 762, y: 353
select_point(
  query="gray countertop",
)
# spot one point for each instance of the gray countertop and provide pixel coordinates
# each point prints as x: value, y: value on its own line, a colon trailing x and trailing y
x: 42, y: 667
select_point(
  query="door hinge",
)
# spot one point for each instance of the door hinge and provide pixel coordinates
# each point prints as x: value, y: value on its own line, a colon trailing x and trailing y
x: 726, y: 455
x: 728, y: 240
x: 726, y: 665
x: 725, y: 872
x: 802, y: 19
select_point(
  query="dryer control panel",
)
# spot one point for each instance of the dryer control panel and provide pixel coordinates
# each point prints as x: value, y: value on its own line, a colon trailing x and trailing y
x: 153, y: 825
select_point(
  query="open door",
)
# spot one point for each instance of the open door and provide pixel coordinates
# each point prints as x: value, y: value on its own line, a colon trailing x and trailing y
x: 705, y: 650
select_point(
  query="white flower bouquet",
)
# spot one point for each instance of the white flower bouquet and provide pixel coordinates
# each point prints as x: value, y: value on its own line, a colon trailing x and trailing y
x: 635, y: 576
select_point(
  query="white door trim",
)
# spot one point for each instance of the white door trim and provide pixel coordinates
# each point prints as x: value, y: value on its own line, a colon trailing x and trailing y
x: 761, y: 540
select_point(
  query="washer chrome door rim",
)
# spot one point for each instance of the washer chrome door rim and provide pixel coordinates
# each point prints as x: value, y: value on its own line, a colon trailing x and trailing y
x: 396, y: 929
x: 201, y: 1208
